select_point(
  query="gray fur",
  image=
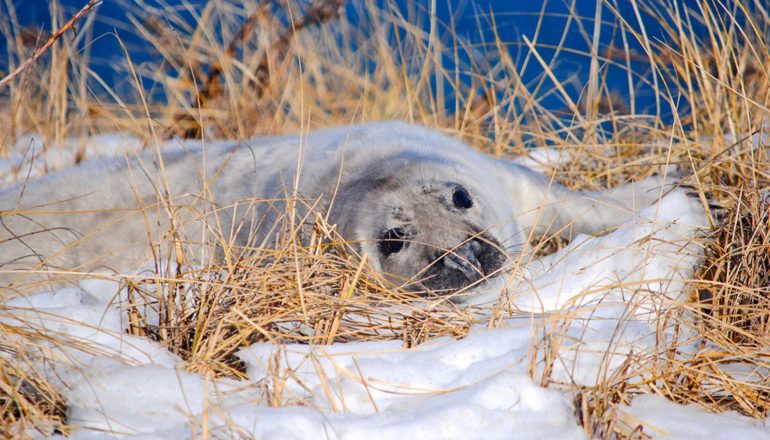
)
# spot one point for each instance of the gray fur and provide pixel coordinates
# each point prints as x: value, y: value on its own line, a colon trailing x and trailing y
x: 375, y: 177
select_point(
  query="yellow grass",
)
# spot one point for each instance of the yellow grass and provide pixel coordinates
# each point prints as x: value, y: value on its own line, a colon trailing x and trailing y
x: 238, y: 69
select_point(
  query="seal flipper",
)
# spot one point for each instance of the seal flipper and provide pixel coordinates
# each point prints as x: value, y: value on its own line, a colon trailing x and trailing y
x: 548, y: 208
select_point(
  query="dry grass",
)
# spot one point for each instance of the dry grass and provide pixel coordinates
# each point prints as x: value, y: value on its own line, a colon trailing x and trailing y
x: 309, y: 288
x: 240, y: 69
x: 733, y: 286
x: 29, y: 405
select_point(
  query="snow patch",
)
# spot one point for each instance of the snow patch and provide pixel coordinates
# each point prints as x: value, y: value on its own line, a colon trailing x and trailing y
x: 482, y: 386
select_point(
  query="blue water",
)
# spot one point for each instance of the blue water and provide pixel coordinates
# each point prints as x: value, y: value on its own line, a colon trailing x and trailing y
x: 513, y: 19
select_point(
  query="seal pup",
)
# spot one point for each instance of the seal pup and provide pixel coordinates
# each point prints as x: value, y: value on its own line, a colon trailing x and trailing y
x: 431, y: 212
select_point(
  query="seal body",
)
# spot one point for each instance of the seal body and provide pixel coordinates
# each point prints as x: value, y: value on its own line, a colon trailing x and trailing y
x: 432, y: 213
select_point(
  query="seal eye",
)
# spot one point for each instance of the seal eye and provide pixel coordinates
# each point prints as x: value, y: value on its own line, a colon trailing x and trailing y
x: 461, y: 198
x: 392, y: 241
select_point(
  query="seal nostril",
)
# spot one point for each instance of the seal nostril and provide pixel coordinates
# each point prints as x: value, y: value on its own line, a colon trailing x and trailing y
x: 491, y: 255
x: 463, y: 265
x: 465, y: 259
x: 478, y: 256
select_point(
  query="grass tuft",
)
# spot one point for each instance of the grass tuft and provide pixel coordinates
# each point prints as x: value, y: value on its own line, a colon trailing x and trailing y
x: 311, y: 287
x: 30, y: 406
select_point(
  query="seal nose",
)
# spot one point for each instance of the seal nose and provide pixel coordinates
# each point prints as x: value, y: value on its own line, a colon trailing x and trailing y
x: 450, y: 270
x: 466, y: 260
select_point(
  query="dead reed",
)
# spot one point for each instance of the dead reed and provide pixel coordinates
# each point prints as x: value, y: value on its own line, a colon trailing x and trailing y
x: 311, y: 287
x: 29, y: 404
x: 240, y: 69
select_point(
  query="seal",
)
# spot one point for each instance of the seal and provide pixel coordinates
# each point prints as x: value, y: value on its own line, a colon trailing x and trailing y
x: 433, y: 214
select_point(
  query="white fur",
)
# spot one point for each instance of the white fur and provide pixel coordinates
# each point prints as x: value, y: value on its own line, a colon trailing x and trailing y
x: 105, y: 214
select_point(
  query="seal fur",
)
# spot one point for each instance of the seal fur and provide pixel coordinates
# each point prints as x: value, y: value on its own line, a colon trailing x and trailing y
x: 454, y: 215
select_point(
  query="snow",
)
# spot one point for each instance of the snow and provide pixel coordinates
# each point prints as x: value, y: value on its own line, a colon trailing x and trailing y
x: 471, y: 388
x: 485, y: 385
x: 645, y: 254
x: 544, y: 158
x: 665, y: 418
x: 27, y: 157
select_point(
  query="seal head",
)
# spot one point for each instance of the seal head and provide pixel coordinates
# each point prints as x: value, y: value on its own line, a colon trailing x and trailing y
x: 423, y: 226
